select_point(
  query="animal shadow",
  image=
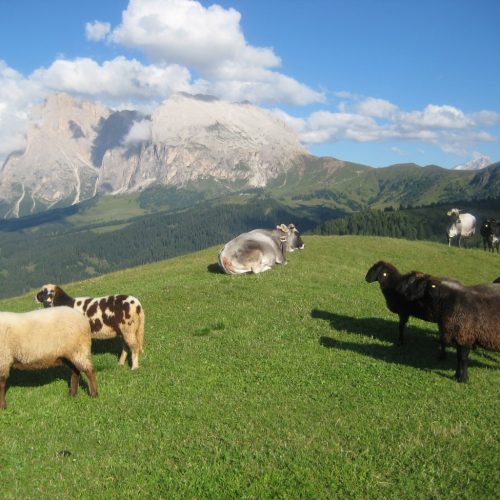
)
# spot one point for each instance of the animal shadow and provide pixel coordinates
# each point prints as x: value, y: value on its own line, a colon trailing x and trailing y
x: 214, y: 268
x: 420, y: 349
x: 38, y: 378
x: 110, y: 346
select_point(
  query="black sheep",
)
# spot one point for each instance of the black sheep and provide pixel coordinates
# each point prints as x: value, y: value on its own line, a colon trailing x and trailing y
x: 467, y: 316
x: 394, y: 286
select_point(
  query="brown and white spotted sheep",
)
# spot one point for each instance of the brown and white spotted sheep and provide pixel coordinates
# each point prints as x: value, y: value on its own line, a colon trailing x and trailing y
x: 109, y: 317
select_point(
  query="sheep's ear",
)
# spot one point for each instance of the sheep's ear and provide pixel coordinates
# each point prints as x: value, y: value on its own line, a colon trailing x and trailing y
x: 374, y: 272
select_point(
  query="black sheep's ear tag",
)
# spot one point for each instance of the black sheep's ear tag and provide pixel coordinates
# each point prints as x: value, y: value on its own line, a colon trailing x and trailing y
x: 384, y: 274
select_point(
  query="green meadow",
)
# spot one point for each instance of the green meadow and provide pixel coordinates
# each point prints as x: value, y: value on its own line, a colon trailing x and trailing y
x: 286, y: 384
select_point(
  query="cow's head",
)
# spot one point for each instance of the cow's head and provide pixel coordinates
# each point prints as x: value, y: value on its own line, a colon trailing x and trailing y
x: 292, y: 235
x: 46, y: 295
x: 453, y: 212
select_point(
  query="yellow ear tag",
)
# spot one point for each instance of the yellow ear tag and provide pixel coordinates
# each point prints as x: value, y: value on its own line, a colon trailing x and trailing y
x: 433, y: 286
x: 384, y: 275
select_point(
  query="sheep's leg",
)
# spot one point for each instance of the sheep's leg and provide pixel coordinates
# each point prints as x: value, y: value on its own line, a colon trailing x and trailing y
x: 130, y: 342
x: 75, y: 382
x: 123, y: 356
x: 462, y: 358
x: 442, y: 350
x: 90, y: 374
x: 135, y: 358
x: 403, y: 319
x: 3, y: 383
x: 134, y: 351
x: 75, y: 377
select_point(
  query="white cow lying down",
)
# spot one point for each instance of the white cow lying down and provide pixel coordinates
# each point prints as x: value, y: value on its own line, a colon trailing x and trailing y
x: 258, y: 250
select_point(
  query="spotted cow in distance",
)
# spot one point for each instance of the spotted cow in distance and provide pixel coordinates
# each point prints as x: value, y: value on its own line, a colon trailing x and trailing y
x: 109, y: 317
x: 258, y: 250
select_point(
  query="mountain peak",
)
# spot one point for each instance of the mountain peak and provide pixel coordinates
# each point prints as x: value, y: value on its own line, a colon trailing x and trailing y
x: 77, y: 149
x: 477, y: 163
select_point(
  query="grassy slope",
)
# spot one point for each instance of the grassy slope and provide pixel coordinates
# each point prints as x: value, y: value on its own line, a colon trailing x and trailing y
x: 282, y: 384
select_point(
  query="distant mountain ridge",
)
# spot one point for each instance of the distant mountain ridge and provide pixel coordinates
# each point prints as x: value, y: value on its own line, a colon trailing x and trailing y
x: 475, y: 164
x: 77, y: 150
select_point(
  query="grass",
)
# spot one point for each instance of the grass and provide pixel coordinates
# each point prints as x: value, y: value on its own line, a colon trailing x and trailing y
x: 285, y: 384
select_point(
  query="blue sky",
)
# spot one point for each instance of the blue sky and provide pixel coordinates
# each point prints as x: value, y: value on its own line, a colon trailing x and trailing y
x: 375, y: 82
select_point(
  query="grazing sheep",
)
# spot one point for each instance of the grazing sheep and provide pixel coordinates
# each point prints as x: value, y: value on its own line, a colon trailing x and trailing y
x: 111, y: 316
x: 467, y: 316
x: 462, y: 225
x: 43, y: 339
x: 394, y: 286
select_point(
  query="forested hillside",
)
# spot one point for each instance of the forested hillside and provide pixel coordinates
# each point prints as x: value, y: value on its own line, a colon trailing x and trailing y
x: 59, y: 252
x: 423, y: 223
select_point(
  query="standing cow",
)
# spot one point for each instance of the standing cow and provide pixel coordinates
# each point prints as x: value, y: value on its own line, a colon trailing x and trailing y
x: 486, y: 231
x: 462, y: 225
x: 258, y: 250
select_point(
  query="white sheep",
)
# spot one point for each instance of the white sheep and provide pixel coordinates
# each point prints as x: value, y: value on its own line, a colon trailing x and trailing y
x: 43, y: 339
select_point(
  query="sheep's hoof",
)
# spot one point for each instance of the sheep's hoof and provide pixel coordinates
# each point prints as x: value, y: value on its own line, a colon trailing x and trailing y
x: 460, y: 379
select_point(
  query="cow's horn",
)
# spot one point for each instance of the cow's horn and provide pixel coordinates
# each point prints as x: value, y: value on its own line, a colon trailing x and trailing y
x: 283, y: 228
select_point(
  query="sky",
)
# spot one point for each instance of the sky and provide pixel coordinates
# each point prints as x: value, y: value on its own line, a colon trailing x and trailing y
x: 376, y: 82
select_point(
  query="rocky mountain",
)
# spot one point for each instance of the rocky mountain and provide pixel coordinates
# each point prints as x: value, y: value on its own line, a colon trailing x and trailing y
x: 77, y: 149
x: 476, y: 163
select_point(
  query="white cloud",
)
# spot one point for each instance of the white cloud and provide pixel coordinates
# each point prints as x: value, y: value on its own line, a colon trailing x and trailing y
x: 210, y: 41
x: 185, y: 32
x: 139, y: 132
x: 365, y: 119
x: 117, y: 79
x: 17, y: 95
x: 433, y: 116
x: 378, y: 108
x: 97, y: 30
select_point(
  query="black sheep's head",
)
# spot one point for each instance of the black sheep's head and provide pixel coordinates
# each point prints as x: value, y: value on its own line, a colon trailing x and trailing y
x: 382, y: 272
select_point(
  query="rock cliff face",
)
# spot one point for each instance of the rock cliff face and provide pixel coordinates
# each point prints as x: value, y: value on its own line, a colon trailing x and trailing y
x: 75, y: 150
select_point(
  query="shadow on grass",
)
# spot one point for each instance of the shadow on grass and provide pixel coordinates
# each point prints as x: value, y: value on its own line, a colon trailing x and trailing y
x: 419, y: 351
x: 38, y: 378
x: 214, y: 268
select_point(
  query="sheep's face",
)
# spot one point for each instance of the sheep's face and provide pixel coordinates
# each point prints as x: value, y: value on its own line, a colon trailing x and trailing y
x: 381, y: 272
x: 46, y: 295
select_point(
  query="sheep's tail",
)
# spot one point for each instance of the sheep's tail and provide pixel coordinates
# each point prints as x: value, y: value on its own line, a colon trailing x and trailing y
x: 140, y: 331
